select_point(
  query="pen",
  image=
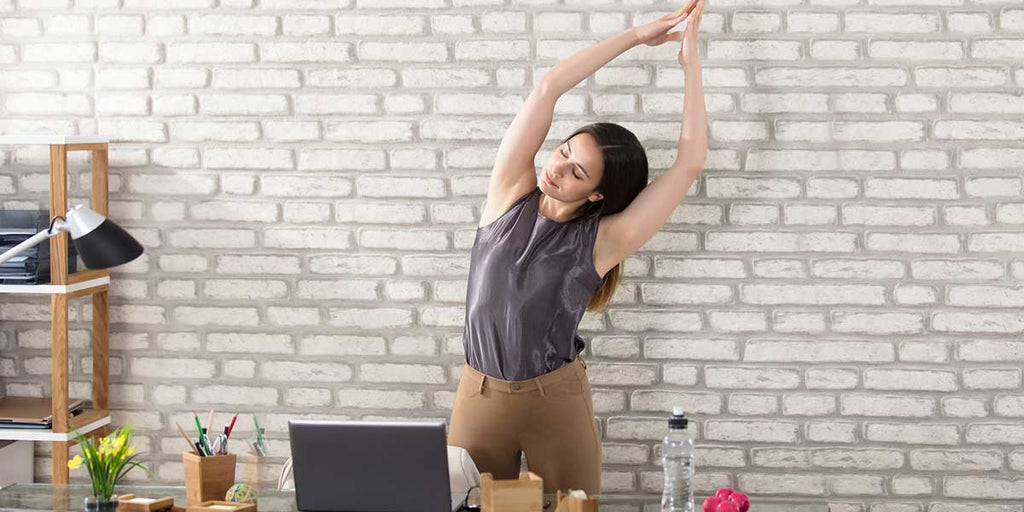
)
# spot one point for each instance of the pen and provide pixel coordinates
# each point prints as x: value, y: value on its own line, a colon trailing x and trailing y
x: 199, y: 449
x: 259, y: 433
x: 232, y: 426
x: 224, y: 443
x: 202, y: 438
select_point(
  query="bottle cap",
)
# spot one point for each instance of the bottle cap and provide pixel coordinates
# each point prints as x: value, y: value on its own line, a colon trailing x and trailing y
x: 678, y: 419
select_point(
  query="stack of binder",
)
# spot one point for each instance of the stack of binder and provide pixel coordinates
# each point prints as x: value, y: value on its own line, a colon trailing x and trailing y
x: 33, y: 265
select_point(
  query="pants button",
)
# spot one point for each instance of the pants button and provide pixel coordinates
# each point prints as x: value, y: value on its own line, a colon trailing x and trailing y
x: 515, y: 387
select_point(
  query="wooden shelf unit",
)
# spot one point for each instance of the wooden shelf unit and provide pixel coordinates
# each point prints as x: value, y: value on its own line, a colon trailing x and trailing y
x: 62, y: 288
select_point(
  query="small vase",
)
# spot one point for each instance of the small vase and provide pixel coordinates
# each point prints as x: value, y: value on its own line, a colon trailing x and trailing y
x: 92, y: 504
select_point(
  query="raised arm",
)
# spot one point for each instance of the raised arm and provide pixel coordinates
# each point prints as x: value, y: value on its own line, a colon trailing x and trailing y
x: 514, y: 174
x: 654, y: 205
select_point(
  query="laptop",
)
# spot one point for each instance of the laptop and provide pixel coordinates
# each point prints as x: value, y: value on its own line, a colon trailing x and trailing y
x: 370, y: 466
x: 31, y: 412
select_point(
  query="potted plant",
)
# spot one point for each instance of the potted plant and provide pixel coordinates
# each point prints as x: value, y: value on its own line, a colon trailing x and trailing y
x: 106, y: 464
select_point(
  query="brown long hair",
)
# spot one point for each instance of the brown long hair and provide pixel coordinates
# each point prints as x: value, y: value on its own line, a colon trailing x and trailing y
x: 624, y: 176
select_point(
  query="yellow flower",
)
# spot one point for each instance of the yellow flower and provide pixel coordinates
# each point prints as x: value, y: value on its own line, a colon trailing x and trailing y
x: 112, y: 444
x: 120, y: 440
x: 105, y: 445
x: 76, y: 462
x: 130, y: 452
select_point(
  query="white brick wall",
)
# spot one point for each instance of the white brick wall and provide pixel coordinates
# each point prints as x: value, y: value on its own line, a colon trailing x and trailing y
x: 837, y: 301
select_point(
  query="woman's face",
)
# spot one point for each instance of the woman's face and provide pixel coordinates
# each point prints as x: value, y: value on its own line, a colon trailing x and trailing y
x: 574, y: 169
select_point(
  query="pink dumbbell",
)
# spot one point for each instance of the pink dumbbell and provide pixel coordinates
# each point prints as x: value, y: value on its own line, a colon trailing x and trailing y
x: 727, y: 500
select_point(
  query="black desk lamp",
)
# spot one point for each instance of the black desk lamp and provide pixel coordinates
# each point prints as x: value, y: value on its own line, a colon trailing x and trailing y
x: 100, y: 242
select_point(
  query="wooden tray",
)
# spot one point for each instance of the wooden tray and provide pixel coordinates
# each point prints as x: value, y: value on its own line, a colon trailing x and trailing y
x: 125, y: 503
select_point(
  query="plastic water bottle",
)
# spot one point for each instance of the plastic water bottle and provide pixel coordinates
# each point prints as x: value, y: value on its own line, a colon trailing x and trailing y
x: 677, y: 458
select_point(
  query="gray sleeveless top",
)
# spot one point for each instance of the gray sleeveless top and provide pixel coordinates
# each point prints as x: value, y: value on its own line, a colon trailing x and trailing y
x: 530, y: 279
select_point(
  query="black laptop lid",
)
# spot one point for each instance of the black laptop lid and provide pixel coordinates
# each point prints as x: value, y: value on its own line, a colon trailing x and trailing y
x: 370, y: 466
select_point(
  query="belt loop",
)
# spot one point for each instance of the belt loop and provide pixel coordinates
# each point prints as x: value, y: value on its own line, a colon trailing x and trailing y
x: 540, y: 387
x: 483, y: 378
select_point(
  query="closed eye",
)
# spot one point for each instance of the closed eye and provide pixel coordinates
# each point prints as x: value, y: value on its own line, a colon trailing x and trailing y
x: 574, y: 172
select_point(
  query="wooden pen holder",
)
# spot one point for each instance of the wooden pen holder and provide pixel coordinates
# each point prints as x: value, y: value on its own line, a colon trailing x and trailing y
x: 568, y: 503
x: 207, y: 478
x: 523, y: 495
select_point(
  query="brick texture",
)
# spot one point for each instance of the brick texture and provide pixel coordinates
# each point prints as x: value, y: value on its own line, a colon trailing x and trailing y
x: 837, y: 301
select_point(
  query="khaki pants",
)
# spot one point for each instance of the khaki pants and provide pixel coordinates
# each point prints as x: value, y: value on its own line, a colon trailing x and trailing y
x: 549, y: 417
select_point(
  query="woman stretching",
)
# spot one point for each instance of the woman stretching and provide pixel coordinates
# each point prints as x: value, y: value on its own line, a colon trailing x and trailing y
x: 546, y: 251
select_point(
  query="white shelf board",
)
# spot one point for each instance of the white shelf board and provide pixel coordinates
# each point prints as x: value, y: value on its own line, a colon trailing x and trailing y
x: 47, y: 289
x: 6, y: 140
x: 40, y: 434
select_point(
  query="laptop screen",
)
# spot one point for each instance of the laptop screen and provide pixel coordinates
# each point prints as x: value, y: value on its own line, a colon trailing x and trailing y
x: 370, y: 466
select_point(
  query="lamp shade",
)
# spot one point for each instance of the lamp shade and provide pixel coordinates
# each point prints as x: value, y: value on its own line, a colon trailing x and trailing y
x: 100, y: 242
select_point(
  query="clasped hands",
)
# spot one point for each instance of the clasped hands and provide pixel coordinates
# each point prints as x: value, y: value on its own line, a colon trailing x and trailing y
x: 657, y: 31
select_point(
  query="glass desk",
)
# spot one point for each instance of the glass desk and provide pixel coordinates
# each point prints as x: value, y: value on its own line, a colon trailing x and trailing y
x: 59, y: 498
x: 70, y: 498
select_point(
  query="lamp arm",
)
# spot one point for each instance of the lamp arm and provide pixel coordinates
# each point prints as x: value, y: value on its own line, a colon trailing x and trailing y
x: 56, y: 226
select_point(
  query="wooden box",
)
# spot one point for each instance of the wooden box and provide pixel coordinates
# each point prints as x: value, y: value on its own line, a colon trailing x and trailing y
x: 568, y: 503
x: 207, y: 478
x: 221, y: 506
x: 133, y: 503
x: 523, y: 495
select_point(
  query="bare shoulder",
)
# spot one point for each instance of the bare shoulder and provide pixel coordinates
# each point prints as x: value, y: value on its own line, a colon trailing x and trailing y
x: 500, y: 197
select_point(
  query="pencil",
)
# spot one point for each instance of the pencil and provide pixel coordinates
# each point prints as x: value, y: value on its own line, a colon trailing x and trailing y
x: 187, y: 439
x: 209, y: 424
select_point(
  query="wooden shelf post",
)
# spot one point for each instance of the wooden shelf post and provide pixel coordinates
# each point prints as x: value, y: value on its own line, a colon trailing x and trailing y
x: 59, y: 314
x: 101, y: 297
